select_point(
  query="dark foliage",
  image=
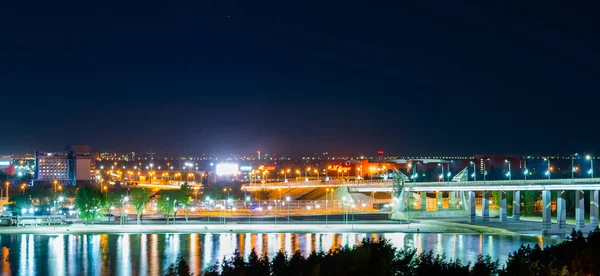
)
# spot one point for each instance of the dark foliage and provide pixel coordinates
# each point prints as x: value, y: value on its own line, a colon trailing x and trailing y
x: 575, y: 256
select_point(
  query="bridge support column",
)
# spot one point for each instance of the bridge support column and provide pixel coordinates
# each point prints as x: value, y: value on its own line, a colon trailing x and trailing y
x: 440, y: 199
x: 594, y: 208
x: 423, y: 201
x: 453, y: 200
x: 579, y: 210
x: 546, y: 212
x: 485, y: 206
x: 411, y: 201
x: 502, y: 206
x: 471, y: 206
x: 561, y: 209
x: 517, y: 205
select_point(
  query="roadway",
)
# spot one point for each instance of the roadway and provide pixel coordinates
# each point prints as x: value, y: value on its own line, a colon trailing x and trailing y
x: 488, y: 185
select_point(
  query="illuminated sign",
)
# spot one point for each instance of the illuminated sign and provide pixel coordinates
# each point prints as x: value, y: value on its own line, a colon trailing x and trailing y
x: 342, y: 168
x: 245, y: 168
x: 227, y: 169
x: 380, y: 152
x: 269, y: 168
x: 4, y: 163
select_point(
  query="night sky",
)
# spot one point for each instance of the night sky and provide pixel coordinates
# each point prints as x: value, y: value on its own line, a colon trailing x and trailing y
x: 220, y: 76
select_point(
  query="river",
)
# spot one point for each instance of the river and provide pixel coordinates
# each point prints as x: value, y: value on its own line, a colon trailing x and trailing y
x: 151, y: 254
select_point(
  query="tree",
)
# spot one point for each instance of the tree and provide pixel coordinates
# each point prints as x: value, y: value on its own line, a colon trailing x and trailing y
x: 20, y: 201
x: 139, y: 197
x: 110, y: 200
x: 184, y: 198
x: 88, y: 202
x: 166, y: 203
x: 530, y: 198
x: 180, y: 269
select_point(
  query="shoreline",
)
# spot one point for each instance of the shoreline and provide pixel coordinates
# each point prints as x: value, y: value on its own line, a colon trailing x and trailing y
x: 188, y: 228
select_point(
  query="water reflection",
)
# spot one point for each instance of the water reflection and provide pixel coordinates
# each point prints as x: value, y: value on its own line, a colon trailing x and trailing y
x: 151, y: 254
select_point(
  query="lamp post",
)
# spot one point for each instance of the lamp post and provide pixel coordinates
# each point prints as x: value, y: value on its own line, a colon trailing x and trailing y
x: 591, y: 172
x: 125, y: 199
x: 326, y: 206
x: 573, y: 165
x: 484, y: 170
x: 287, y: 199
x: 474, y: 171
x: 509, y: 172
x: 441, y: 175
x: 548, y: 171
x: 525, y: 171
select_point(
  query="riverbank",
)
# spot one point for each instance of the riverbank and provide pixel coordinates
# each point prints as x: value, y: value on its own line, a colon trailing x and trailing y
x: 424, y: 226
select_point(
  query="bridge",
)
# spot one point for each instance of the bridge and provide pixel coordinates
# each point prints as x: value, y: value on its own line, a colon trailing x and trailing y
x: 461, y: 196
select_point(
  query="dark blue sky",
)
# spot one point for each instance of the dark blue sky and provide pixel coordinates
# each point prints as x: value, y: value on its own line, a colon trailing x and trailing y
x: 409, y: 77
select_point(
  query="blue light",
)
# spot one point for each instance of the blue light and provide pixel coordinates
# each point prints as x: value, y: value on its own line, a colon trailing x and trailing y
x: 449, y: 174
x: 473, y: 174
x: 508, y: 174
x: 547, y: 173
x: 590, y: 171
x: 526, y: 171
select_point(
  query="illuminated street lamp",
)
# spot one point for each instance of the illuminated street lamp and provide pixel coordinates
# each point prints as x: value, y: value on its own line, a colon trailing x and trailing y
x: 474, y: 175
x: 548, y: 171
x: 287, y: 199
x: 508, y: 173
x: 484, y: 170
x: 573, y: 165
x: 591, y: 171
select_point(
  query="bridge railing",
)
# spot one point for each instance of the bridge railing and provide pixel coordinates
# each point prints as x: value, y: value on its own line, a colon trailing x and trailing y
x: 506, y: 182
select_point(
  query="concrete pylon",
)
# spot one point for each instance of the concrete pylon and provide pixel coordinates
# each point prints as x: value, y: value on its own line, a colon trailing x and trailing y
x: 440, y: 199
x: 503, y: 206
x: 579, y: 210
x: 561, y: 209
x: 594, y: 208
x: 423, y: 201
x: 452, y: 200
x: 411, y: 201
x: 546, y: 212
x: 517, y: 205
x: 485, y: 206
x: 471, y: 206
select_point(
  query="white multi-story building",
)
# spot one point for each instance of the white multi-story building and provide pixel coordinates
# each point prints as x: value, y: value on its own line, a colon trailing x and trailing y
x: 67, y: 167
x: 53, y: 166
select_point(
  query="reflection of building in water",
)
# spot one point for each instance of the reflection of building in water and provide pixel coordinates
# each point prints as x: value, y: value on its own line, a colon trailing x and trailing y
x: 208, y: 248
x: 194, y: 258
x: 153, y: 254
x: 143, y: 254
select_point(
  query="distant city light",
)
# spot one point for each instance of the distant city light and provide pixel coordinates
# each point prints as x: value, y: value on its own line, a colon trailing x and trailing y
x: 227, y: 169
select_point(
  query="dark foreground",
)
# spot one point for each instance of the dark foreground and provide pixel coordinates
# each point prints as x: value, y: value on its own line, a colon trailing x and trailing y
x: 575, y: 256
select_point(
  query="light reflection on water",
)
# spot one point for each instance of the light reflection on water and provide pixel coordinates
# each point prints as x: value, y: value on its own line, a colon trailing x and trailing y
x: 151, y: 254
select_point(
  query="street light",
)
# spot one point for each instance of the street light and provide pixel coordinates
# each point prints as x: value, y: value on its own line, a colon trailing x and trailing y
x: 591, y: 171
x: 548, y: 171
x: 474, y: 170
x: 573, y: 165
x: 287, y: 199
x: 508, y: 174
x: 525, y: 171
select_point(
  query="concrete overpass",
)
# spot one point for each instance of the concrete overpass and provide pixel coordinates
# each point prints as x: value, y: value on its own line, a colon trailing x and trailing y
x: 462, y: 196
